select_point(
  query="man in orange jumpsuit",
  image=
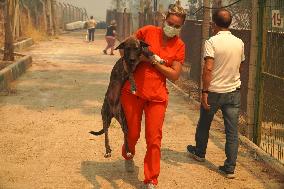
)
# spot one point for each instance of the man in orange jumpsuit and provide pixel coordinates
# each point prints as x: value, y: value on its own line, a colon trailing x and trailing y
x: 152, y: 95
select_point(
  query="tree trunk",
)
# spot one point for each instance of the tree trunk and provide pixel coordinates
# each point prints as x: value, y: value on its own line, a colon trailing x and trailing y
x: 9, y: 42
x: 54, y: 16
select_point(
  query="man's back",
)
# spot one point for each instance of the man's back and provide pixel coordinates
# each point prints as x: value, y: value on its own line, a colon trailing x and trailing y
x: 92, y: 23
x: 228, y: 53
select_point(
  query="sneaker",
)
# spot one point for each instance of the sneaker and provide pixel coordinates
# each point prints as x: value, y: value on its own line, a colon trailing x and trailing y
x: 150, y: 186
x: 228, y: 174
x: 192, y: 153
x: 104, y: 51
x: 129, y: 165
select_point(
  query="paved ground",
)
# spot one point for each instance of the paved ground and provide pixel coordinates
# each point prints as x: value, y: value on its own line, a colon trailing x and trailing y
x: 44, y: 140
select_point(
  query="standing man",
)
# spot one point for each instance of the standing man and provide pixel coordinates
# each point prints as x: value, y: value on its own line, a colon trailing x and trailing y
x: 223, y: 55
x: 91, y: 28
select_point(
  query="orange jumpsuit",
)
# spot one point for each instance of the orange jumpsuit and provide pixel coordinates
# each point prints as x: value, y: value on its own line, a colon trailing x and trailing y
x: 151, y: 97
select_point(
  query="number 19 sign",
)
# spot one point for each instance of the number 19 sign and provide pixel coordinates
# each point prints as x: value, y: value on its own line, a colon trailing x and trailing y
x: 277, y: 20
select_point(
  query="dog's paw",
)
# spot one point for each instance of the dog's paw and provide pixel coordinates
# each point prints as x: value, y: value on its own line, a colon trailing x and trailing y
x: 129, y: 155
x: 107, y: 155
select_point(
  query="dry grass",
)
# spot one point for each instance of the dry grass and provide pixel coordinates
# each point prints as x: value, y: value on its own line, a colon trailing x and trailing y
x: 32, y: 32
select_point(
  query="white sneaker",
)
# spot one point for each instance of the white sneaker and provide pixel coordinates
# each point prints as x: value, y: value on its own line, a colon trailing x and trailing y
x: 129, y: 165
x: 150, y: 186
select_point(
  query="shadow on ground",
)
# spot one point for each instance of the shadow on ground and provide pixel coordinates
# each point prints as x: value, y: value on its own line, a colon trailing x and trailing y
x: 95, y: 171
x: 174, y: 158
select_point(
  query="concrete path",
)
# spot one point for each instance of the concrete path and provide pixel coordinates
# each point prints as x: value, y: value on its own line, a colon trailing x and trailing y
x: 44, y: 125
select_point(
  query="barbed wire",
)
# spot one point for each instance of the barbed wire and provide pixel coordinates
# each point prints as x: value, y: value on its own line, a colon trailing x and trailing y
x: 204, y: 7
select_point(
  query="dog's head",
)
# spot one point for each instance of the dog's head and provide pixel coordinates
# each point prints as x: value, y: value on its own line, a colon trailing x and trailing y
x: 132, y: 48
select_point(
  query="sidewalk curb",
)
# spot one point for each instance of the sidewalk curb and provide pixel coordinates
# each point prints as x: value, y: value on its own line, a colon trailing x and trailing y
x: 23, y: 44
x: 13, y: 71
x: 272, y: 162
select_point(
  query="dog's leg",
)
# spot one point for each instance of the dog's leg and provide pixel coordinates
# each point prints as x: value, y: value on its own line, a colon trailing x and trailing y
x: 108, y: 150
x: 123, y: 122
x: 106, y: 117
x: 132, y: 83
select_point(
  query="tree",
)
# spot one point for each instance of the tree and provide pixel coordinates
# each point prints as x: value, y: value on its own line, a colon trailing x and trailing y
x: 54, y: 16
x: 9, y: 7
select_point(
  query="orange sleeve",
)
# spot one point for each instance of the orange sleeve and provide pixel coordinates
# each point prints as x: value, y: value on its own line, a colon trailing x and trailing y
x: 180, y: 55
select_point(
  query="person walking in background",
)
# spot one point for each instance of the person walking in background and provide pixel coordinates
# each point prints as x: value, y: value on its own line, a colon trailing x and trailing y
x: 224, y: 57
x: 91, y: 28
x: 110, y: 37
x: 152, y: 95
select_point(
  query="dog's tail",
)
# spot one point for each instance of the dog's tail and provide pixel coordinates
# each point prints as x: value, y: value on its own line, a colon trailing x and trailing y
x: 97, y: 133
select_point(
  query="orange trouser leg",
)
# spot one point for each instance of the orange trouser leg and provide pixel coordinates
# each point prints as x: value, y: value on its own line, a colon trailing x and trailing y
x: 133, y: 109
x: 154, y: 118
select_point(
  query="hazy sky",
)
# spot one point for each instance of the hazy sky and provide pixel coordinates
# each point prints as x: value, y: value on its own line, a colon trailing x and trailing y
x: 97, y: 8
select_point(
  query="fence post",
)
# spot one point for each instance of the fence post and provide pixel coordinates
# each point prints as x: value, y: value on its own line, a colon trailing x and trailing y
x: 65, y: 15
x: 259, y: 66
x: 205, y: 35
x: 86, y: 14
x: 252, y: 72
x: 72, y: 13
x: 62, y: 17
x: 81, y: 14
x: 54, y: 15
x: 69, y: 13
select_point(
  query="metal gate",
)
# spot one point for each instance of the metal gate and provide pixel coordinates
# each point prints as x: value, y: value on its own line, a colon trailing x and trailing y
x: 271, y: 93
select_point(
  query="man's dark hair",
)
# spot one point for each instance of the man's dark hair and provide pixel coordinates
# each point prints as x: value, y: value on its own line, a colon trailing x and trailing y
x: 91, y: 17
x: 222, y: 20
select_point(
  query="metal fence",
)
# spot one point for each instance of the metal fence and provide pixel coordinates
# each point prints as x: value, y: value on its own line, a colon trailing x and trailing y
x: 272, y: 81
x: 41, y: 16
x: 123, y: 20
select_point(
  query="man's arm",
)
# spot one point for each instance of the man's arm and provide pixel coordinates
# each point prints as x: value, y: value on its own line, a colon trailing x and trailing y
x: 206, y: 80
x: 207, y: 73
x: 241, y: 67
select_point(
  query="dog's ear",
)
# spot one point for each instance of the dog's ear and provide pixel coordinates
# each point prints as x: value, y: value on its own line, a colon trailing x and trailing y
x: 120, y: 46
x: 143, y: 44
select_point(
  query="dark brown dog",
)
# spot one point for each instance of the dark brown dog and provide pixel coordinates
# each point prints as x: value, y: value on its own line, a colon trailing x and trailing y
x: 122, y: 70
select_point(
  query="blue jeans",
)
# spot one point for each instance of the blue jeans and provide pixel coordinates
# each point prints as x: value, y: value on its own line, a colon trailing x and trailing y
x: 91, y: 33
x: 229, y: 103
